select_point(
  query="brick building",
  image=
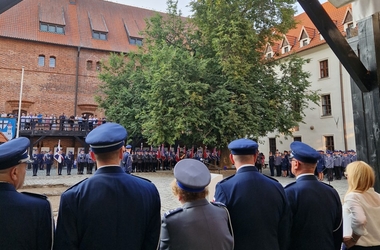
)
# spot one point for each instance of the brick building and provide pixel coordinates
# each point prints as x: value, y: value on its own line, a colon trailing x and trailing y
x: 61, y: 44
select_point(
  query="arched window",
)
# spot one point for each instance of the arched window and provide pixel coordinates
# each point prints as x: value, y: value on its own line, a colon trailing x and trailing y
x: 52, y: 62
x: 41, y: 60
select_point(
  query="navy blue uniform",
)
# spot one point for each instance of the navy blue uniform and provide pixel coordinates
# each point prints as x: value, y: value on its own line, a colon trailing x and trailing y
x: 48, y: 161
x: 35, y: 164
x: 25, y: 220
x: 258, y: 209
x: 69, y: 160
x: 317, y: 215
x: 125, y: 213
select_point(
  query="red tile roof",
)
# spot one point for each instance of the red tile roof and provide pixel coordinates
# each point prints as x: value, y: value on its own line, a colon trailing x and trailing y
x: 22, y: 22
x: 304, y: 23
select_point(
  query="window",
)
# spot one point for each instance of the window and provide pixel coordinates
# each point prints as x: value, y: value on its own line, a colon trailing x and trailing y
x: 99, y: 35
x: 269, y: 55
x: 297, y: 138
x: 305, y: 42
x: 326, y: 105
x: 41, y: 60
x: 89, y: 65
x: 329, y: 143
x: 135, y: 41
x: 52, y: 62
x: 324, y: 68
x: 272, y: 145
x: 286, y: 49
x: 98, y: 66
x: 53, y: 28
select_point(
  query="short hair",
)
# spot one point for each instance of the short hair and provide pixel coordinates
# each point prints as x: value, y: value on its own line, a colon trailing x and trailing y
x: 244, y: 158
x: 107, y: 155
x: 360, y: 177
x: 187, y: 196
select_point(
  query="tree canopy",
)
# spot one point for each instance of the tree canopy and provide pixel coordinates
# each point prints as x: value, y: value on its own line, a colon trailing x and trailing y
x: 204, y: 80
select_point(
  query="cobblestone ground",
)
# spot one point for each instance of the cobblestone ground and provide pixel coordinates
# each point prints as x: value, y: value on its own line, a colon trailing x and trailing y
x: 45, y: 184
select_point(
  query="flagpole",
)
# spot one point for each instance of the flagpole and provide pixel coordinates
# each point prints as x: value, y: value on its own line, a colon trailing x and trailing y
x: 19, y: 103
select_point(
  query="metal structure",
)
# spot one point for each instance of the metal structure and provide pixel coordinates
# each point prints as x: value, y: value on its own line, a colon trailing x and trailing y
x: 360, y: 56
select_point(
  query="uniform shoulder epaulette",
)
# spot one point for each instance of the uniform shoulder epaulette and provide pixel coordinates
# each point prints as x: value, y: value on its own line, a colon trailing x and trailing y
x: 145, y: 179
x: 218, y: 204
x: 270, y: 177
x: 173, y: 211
x: 76, y: 184
x: 290, y: 184
x: 227, y: 178
x: 41, y: 196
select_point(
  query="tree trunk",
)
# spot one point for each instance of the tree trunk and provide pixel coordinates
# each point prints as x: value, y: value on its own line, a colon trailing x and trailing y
x: 225, y: 158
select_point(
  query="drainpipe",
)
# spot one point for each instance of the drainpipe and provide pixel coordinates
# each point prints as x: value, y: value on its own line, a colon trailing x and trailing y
x: 343, y: 109
x: 76, y: 83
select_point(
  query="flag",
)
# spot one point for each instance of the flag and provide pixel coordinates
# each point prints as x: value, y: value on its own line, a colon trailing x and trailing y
x: 192, y: 152
x: 163, y: 157
x: 57, y: 155
x: 158, y: 153
x: 177, y: 155
x: 205, y: 153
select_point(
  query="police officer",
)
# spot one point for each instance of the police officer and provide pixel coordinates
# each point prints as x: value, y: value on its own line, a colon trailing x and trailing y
x: 48, y: 159
x: 110, y: 210
x: 35, y: 162
x: 82, y: 161
x: 61, y: 162
x: 90, y: 163
x: 69, y: 159
x: 140, y: 160
x: 126, y: 162
x: 315, y: 206
x: 40, y: 159
x: 134, y: 161
x: 329, y: 163
x: 154, y: 161
x: 257, y: 203
x: 198, y: 224
x: 25, y: 219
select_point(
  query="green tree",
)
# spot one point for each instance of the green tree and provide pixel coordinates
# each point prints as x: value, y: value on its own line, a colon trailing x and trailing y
x: 204, y: 80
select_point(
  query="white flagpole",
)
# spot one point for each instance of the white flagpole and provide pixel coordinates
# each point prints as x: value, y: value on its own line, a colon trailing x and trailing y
x: 19, y: 104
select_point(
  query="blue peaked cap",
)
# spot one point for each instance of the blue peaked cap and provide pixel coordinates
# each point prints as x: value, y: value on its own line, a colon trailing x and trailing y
x: 304, y: 152
x: 14, y: 152
x: 106, y: 138
x: 243, y: 147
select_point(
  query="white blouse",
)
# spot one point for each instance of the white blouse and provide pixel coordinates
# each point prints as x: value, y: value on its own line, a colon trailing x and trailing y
x: 362, y: 210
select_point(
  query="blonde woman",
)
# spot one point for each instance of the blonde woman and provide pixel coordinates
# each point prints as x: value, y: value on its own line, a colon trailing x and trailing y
x: 361, y: 208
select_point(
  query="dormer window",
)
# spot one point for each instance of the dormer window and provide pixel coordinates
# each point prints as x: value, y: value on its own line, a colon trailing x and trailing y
x: 304, y: 42
x: 285, y: 49
x: 99, y: 35
x: 135, y: 41
x: 53, y: 28
x: 269, y: 55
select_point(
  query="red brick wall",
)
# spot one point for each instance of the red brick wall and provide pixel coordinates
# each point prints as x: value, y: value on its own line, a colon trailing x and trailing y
x: 50, y: 90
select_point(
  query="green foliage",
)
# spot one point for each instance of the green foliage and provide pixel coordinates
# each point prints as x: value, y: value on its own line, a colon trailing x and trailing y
x: 204, y: 80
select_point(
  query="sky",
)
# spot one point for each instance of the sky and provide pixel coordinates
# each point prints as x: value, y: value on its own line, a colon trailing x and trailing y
x: 160, y: 5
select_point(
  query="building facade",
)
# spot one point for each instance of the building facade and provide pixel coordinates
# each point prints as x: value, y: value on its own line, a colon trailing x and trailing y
x: 328, y: 125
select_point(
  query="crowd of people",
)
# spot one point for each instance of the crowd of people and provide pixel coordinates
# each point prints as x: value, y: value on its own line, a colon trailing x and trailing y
x: 331, y: 164
x: 116, y: 210
x: 39, y: 121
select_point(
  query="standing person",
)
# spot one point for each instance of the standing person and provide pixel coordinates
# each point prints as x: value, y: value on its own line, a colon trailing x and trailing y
x: 271, y: 163
x: 69, y: 159
x: 48, y: 159
x: 25, y: 218
x: 315, y: 206
x: 256, y: 202
x: 90, y: 163
x: 81, y: 160
x: 277, y: 163
x: 198, y: 224
x: 329, y: 163
x: 361, y: 208
x: 284, y: 165
x: 259, y: 162
x: 126, y: 162
x: 35, y: 162
x: 321, y: 165
x: 112, y: 209
x: 60, y: 161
